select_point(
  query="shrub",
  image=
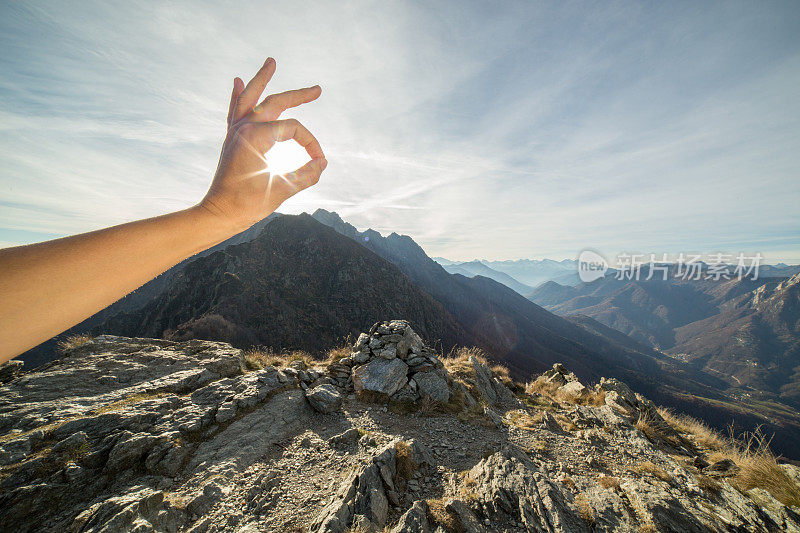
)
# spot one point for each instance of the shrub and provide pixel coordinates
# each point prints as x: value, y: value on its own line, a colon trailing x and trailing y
x: 336, y: 354
x: 608, y: 482
x: 585, y: 509
x: 648, y: 467
x: 74, y: 341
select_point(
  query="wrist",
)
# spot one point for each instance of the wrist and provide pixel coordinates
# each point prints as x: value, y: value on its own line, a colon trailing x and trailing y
x: 208, y: 222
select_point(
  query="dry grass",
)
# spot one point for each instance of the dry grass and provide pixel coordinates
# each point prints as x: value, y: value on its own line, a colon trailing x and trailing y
x: 502, y: 373
x: 337, y: 354
x: 540, y: 386
x: 438, y: 515
x: 475, y: 415
x: 702, y: 435
x: 585, y: 509
x: 521, y: 419
x: 759, y: 467
x: 653, y: 469
x: 404, y: 461
x: 608, y: 482
x: 74, y: 341
x: 256, y: 359
x: 125, y: 402
x: 708, y: 484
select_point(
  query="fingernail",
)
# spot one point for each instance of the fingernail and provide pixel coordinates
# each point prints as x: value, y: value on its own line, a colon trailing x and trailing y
x: 268, y: 61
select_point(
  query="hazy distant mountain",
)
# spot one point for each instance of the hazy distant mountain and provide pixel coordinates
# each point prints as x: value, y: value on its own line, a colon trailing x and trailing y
x: 528, y: 272
x: 476, y: 268
x: 745, y: 331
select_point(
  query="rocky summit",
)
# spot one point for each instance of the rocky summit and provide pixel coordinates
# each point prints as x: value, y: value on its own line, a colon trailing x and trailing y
x: 129, y: 434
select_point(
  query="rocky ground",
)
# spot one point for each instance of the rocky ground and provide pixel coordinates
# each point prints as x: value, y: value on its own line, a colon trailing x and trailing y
x: 142, y: 435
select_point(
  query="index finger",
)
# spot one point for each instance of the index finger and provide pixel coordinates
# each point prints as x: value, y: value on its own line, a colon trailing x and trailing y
x: 273, y: 105
x: 283, y: 130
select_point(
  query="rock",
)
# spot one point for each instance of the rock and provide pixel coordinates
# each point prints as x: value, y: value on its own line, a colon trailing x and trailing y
x: 574, y: 389
x: 492, y: 390
x: 380, y: 375
x: 409, y: 343
x: 549, y: 422
x: 723, y: 468
x: 129, y: 450
x: 699, y: 462
x: 508, y: 486
x: 408, y: 393
x: 432, y: 385
x: 360, y: 357
x: 347, y: 438
x: 10, y: 370
x: 325, y: 398
x: 141, y: 509
x: 388, y: 352
x: 415, y: 520
x: 492, y: 416
x: 466, y: 518
x: 361, y: 495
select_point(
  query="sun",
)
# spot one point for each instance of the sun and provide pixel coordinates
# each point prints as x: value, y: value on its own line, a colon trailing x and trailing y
x: 284, y: 157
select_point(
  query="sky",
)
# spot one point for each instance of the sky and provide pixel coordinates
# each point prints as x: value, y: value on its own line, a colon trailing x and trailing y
x: 482, y: 130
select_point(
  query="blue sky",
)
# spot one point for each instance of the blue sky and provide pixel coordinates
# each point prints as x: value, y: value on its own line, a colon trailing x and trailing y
x: 528, y: 131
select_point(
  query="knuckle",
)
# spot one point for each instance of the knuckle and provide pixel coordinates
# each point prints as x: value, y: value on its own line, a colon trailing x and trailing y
x: 246, y: 131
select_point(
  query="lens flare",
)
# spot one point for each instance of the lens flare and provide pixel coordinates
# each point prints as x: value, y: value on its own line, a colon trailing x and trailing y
x: 285, y: 157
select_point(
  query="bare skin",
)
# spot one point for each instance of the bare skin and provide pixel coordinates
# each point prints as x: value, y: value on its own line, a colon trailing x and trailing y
x: 47, y: 287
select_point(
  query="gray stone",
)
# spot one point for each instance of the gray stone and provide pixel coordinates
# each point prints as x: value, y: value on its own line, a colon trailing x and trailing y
x: 347, y: 438
x: 415, y: 520
x: 325, y: 398
x: 381, y: 375
x: 574, y: 389
x: 433, y: 386
x: 409, y: 343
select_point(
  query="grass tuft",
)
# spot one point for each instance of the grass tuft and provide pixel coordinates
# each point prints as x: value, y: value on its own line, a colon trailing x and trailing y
x: 74, y: 341
x: 648, y: 467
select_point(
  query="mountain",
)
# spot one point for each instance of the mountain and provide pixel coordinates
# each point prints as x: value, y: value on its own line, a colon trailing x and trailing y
x: 297, y: 285
x: 135, y: 300
x: 746, y: 331
x: 515, y: 331
x: 476, y: 268
x: 130, y: 434
x: 528, y: 339
x: 534, y: 272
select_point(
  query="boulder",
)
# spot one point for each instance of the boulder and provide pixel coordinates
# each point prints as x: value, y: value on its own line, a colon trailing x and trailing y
x: 385, y: 376
x: 574, y: 389
x: 432, y: 385
x: 325, y: 398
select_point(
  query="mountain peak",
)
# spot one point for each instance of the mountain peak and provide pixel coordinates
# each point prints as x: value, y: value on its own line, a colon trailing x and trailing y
x: 148, y: 434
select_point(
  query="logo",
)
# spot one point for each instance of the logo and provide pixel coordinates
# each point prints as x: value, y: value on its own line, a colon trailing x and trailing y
x: 591, y: 266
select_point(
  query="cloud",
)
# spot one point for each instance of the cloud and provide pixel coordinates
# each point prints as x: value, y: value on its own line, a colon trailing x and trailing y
x: 531, y: 131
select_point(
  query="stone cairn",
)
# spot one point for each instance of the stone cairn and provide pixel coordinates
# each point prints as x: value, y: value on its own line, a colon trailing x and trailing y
x: 391, y: 361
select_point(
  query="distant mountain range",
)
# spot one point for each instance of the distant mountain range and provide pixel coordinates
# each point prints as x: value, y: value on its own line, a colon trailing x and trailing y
x: 521, y: 275
x: 746, y: 331
x: 310, y: 281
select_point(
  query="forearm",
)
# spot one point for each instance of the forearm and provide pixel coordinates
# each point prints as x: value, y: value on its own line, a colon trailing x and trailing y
x: 48, y: 287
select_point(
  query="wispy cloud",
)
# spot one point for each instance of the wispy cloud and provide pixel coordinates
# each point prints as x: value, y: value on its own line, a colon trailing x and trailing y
x: 528, y: 131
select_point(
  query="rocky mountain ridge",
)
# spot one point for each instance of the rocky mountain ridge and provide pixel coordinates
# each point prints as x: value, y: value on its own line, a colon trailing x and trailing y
x: 124, y: 434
